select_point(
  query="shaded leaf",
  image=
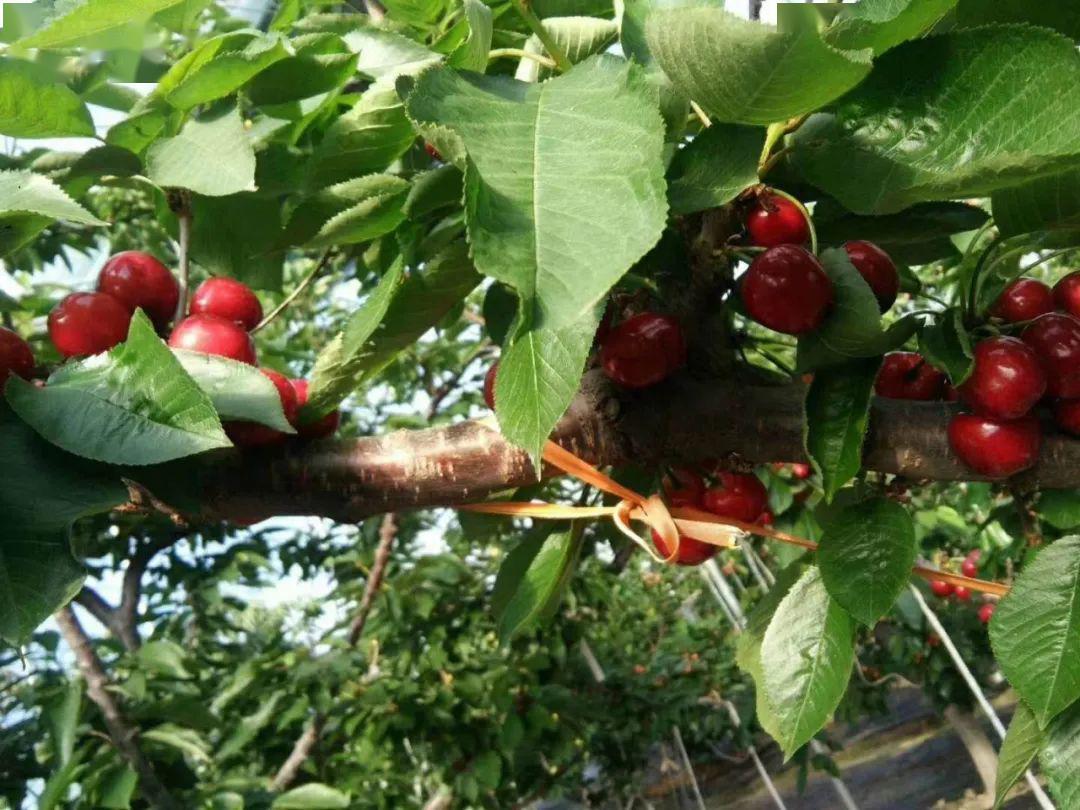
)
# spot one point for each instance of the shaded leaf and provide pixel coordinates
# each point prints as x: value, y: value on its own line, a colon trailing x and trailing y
x: 312, y: 796
x: 883, y: 24
x: 38, y: 575
x: 33, y: 106
x: 539, y: 590
x: 714, y: 168
x: 945, y: 345
x: 1022, y: 743
x: 346, y: 213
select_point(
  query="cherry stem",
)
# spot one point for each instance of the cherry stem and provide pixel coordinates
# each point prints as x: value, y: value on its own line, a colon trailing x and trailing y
x: 305, y: 282
x: 976, y: 274
x: 546, y: 39
x: 806, y: 214
x: 180, y: 203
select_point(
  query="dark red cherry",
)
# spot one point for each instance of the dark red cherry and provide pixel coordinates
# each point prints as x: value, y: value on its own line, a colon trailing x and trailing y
x: 1067, y: 415
x: 684, y: 487
x: 320, y: 428
x: 643, y: 350
x: 1067, y: 294
x: 996, y: 448
x: 1056, y: 340
x: 229, y: 299
x: 691, y: 551
x: 907, y: 375
x: 877, y: 269
x: 741, y: 497
x: 212, y: 335
x: 776, y: 220
x: 489, y: 385
x: 1006, y: 381
x: 16, y: 357
x: 1023, y: 300
x: 252, y: 434
x: 139, y: 281
x: 941, y: 588
x: 88, y: 323
x: 787, y: 290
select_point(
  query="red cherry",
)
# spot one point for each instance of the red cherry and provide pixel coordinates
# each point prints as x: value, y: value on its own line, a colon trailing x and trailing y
x: 907, y: 375
x: 88, y: 323
x: 212, y: 335
x: 765, y: 518
x: 776, y: 220
x: 1067, y: 415
x: 489, y: 385
x: 787, y: 290
x: 1006, y: 380
x: 1067, y: 294
x: 933, y: 640
x: 139, y: 281
x: 951, y: 394
x: 691, y: 551
x: 16, y: 357
x: 986, y: 612
x: 975, y: 555
x: 877, y: 269
x: 252, y: 434
x: 962, y: 594
x: 993, y: 447
x: 684, y: 487
x: 433, y: 153
x: 741, y: 497
x: 941, y: 588
x: 801, y: 471
x: 1056, y: 340
x: 1023, y: 300
x: 229, y: 299
x: 643, y: 350
x: 969, y: 568
x: 320, y: 428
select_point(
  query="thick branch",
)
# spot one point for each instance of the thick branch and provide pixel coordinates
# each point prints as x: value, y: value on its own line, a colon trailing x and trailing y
x: 683, y: 420
x: 122, y: 733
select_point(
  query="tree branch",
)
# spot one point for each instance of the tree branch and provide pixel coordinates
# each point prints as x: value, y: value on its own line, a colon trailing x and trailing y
x: 301, y: 750
x: 387, y: 535
x: 122, y: 733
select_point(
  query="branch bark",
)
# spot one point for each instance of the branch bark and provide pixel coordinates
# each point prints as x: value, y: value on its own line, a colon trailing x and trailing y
x: 301, y: 750
x: 683, y: 420
x: 387, y: 535
x: 123, y: 734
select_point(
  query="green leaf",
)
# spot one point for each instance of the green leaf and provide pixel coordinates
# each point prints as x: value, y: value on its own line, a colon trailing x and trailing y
x: 211, y: 155
x: 230, y: 236
x: 1035, y: 631
x: 853, y: 327
x: 1060, y: 508
x: 248, y: 728
x: 312, y: 796
x: 61, y: 716
x: 945, y: 345
x: 806, y: 659
x: 865, y: 556
x: 433, y: 190
x: 92, y: 17
x: 143, y: 126
x: 23, y: 192
x: 539, y: 590
x: 346, y: 213
x: 577, y: 37
x: 1046, y: 204
x: 714, y: 168
x: 116, y: 788
x: 947, y: 116
x: 837, y: 413
x: 472, y: 54
x: 1022, y: 743
x: 238, y: 391
x: 38, y: 576
x: 135, y: 405
x: 488, y: 769
x: 1063, y: 17
x: 33, y: 106
x: 188, y: 741
x: 549, y: 170
x: 322, y: 63
x: 744, y: 72
x: 219, y: 67
x: 1059, y: 757
x: 883, y: 24
x: 386, y: 55
x: 165, y: 658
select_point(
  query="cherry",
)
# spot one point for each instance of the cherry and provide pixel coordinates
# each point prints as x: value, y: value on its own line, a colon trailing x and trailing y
x: 907, y: 375
x: 139, y: 281
x: 229, y: 299
x: 941, y: 588
x: 489, y: 385
x: 766, y: 518
x: 1067, y: 415
x: 88, y: 323
x: 969, y: 568
x: 776, y: 220
x: 252, y: 434
x: 1023, y: 300
x: 691, y: 551
x: 320, y: 428
x: 16, y: 357
x: 877, y: 269
x: 787, y: 290
x: 962, y: 594
x: 684, y: 487
x: 975, y: 555
x: 741, y: 497
x: 995, y: 447
x: 1067, y: 294
x: 801, y: 471
x: 986, y: 612
x: 643, y: 350
x: 433, y: 153
x: 933, y: 640
x: 1056, y: 340
x: 1006, y: 380
x: 210, y: 334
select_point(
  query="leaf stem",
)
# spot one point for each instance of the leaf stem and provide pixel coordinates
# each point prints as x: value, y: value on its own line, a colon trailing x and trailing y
x: 524, y: 8
x: 180, y: 204
x: 305, y: 282
x: 518, y: 53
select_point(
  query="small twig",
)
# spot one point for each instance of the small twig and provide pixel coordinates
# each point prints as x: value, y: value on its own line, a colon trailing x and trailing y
x: 700, y: 114
x: 305, y: 282
x: 518, y: 53
x: 180, y: 204
x: 546, y: 39
x: 387, y: 535
x: 301, y: 750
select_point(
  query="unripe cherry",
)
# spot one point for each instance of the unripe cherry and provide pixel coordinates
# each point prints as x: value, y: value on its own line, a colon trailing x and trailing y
x: 787, y: 290
x: 877, y: 269
x: 16, y: 357
x: 737, y: 496
x: 776, y: 220
x: 88, y: 323
x: 253, y: 434
x: 212, y: 335
x: 1006, y: 381
x: 907, y: 375
x: 139, y: 281
x: 996, y: 448
x: 1023, y: 300
x: 320, y: 428
x: 1056, y: 340
x: 229, y: 299
x: 643, y: 350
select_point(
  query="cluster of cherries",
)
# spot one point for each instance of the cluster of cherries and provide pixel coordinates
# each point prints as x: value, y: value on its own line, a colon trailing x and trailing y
x: 222, y: 314
x: 946, y: 590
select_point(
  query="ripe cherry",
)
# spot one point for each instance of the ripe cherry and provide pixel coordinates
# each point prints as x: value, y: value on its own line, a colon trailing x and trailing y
x: 877, y: 269
x: 933, y: 640
x: 962, y: 594
x: 489, y: 385
x: 229, y: 299
x: 741, y: 497
x: 1056, y: 340
x: 986, y: 612
x: 969, y: 568
x: 16, y: 357
x: 787, y: 290
x: 643, y: 350
x: 684, y: 487
x: 801, y: 471
x: 776, y: 220
x: 907, y: 375
x: 993, y: 447
x: 1067, y: 415
x: 88, y: 323
x: 1067, y: 294
x: 941, y: 588
x: 320, y: 428
x: 252, y: 434
x: 1023, y: 300
x: 139, y: 281
x: 766, y: 518
x: 212, y: 335
x: 1006, y: 381
x: 691, y: 551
